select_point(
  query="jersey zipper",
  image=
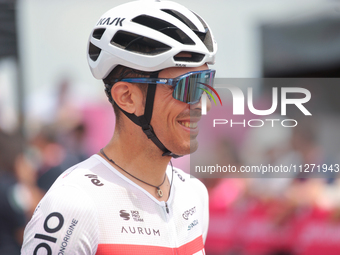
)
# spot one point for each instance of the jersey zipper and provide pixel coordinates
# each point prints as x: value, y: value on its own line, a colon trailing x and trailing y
x: 166, y: 207
x: 170, y: 228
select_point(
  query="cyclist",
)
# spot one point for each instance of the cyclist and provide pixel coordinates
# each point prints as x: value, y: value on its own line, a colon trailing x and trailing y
x: 152, y: 57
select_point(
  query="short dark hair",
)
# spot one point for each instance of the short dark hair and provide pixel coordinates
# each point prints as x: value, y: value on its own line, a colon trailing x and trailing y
x: 120, y: 72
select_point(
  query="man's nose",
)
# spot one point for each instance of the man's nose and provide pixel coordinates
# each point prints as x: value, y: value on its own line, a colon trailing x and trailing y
x: 200, y: 104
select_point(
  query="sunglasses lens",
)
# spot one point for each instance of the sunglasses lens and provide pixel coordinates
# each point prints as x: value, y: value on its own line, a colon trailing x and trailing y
x: 189, y: 89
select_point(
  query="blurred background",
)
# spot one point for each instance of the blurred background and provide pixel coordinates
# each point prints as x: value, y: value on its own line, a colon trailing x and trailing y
x: 53, y: 114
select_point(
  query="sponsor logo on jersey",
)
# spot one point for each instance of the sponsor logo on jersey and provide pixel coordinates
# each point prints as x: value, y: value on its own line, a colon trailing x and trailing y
x: 189, y: 212
x: 94, y: 179
x: 124, y: 214
x: 67, y: 236
x: 192, y: 224
x: 49, y: 239
x: 134, y: 214
x: 179, y: 176
x: 140, y: 231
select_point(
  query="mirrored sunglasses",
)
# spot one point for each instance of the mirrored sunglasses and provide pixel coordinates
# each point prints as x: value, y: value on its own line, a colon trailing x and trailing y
x: 188, y: 88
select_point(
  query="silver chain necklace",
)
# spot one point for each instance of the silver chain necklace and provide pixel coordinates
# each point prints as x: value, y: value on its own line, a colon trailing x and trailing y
x: 159, y: 191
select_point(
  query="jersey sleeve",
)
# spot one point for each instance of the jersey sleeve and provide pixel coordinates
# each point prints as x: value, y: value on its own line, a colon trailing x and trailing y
x: 65, y: 222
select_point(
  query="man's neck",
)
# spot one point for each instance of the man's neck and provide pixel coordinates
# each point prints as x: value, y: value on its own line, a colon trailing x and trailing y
x: 138, y: 156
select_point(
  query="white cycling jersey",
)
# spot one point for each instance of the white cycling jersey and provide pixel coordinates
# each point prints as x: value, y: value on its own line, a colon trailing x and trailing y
x: 93, y: 209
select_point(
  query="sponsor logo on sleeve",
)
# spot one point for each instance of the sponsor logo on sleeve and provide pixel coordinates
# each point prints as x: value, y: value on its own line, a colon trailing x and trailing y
x: 50, y: 239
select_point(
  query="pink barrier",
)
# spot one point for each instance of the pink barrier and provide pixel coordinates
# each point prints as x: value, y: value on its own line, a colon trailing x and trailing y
x: 257, y: 228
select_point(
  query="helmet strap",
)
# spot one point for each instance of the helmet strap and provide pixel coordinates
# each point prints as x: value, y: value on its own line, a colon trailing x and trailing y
x: 144, y: 120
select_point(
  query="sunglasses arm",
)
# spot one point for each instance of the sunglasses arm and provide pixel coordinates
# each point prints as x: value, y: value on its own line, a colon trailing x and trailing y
x: 150, y: 80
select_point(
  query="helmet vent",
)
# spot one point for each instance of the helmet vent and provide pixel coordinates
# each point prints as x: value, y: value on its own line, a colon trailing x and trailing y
x: 94, y: 52
x: 207, y: 39
x: 181, y: 17
x: 185, y: 56
x: 139, y: 44
x: 165, y: 28
x: 98, y: 33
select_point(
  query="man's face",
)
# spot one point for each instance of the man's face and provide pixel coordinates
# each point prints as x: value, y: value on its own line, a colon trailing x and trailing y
x: 175, y: 122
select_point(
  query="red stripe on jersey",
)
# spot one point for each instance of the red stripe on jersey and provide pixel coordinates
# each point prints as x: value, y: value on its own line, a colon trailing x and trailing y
x: 192, y: 247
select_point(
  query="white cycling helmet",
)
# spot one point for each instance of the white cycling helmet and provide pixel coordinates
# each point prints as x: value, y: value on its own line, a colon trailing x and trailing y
x: 148, y: 35
x: 164, y: 27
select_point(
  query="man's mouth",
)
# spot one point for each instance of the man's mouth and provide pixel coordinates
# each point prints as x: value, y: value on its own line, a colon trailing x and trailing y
x: 188, y: 124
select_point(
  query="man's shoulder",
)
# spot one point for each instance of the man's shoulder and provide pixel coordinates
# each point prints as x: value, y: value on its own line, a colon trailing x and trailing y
x: 76, y: 188
x: 82, y: 175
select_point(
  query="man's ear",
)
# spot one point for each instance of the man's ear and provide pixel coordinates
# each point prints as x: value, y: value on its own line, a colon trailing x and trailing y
x: 127, y: 96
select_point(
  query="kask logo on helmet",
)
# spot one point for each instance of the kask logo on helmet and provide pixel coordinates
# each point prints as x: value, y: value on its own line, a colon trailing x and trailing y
x: 107, y: 21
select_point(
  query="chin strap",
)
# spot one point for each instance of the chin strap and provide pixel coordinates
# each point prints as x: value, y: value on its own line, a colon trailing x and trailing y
x: 144, y: 120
